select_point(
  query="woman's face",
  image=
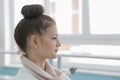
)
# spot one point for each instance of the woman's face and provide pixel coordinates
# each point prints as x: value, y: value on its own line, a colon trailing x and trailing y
x: 49, y: 43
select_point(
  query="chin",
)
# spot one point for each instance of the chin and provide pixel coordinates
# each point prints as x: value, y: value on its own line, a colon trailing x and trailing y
x: 53, y: 57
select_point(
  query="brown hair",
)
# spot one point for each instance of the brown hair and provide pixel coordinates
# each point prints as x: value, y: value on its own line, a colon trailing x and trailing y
x: 34, y: 22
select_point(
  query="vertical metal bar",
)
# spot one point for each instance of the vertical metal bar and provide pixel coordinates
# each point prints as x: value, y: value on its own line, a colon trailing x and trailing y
x: 59, y: 60
x: 85, y: 18
x: 11, y: 20
x: 2, y: 30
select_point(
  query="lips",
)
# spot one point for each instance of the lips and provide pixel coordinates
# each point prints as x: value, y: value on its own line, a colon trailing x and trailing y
x: 56, y: 50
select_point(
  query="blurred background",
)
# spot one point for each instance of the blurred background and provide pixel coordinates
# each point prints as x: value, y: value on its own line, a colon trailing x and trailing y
x: 89, y: 31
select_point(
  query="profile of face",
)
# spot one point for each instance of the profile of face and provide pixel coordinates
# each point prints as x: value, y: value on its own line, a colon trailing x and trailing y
x: 46, y: 46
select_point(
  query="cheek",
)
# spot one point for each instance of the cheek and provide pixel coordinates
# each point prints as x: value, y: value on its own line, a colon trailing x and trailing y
x: 49, y: 45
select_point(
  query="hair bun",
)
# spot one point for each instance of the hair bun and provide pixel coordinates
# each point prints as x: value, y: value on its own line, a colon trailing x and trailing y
x: 32, y: 11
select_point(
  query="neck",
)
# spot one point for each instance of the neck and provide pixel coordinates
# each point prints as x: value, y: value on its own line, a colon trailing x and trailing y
x: 37, y: 61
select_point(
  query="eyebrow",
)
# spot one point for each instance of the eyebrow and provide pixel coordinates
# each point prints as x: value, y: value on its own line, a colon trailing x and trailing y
x: 53, y: 35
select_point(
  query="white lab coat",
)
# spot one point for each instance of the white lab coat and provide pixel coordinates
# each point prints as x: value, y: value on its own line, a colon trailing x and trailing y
x: 25, y: 74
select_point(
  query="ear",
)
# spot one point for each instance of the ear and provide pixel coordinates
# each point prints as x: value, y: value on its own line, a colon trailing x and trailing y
x: 34, y: 41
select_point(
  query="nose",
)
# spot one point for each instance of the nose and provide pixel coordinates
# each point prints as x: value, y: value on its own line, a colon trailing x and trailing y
x: 58, y: 43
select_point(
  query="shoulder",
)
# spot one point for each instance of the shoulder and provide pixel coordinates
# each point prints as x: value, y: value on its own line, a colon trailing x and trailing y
x: 24, y: 74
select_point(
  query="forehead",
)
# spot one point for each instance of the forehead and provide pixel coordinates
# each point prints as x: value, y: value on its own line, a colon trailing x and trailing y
x: 51, y: 30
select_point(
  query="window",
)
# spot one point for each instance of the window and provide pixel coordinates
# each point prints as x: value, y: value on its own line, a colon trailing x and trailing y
x: 67, y: 16
x: 104, y: 16
x: 89, y: 27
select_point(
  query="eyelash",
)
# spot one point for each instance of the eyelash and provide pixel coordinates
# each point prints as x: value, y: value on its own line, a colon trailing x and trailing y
x: 54, y: 38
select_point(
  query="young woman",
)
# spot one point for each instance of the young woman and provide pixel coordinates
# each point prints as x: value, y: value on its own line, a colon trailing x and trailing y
x: 36, y: 35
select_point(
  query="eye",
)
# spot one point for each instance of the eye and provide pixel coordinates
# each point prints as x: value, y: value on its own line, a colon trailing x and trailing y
x: 54, y: 38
